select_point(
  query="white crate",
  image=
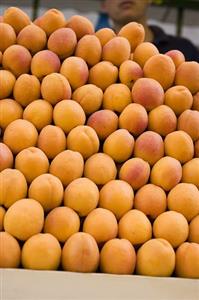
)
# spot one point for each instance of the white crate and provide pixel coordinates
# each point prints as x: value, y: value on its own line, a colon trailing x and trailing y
x: 55, y: 285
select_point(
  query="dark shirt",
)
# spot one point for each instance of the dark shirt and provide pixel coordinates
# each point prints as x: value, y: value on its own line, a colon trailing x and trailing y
x: 163, y: 41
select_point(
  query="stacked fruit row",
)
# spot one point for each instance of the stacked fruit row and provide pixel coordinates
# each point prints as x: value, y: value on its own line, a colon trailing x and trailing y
x: 99, y: 152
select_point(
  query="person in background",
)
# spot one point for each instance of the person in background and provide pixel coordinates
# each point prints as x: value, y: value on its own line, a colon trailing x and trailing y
x: 117, y: 13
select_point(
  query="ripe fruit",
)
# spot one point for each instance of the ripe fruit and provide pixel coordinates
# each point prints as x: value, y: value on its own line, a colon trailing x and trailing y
x: 6, y: 157
x: 67, y: 166
x: 151, y: 200
x: 24, y: 218
x: 62, y: 222
x: 10, y: 254
x: 171, y: 219
x: 135, y: 227
x: 135, y: 171
x: 101, y: 224
x: 7, y: 83
x: 20, y: 134
x: 187, y: 260
x: 82, y: 195
x: 117, y: 257
x: 10, y: 111
x: 13, y: 187
x: 100, y: 168
x: 32, y: 162
x: 47, y: 189
x: 80, y: 253
x: 42, y: 251
x: 184, y: 198
x: 155, y: 258
x: 116, y: 196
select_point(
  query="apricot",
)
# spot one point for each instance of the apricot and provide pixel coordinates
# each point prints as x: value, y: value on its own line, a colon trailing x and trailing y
x: 177, y: 56
x: 166, y: 173
x: 101, y: 224
x: 116, y: 97
x: 196, y: 148
x: 89, y: 96
x: 129, y: 72
x: 162, y: 120
x: 135, y: 227
x: 116, y: 196
x: 187, y: 74
x: 1, y: 57
x: 151, y: 200
x: 104, y: 122
x: 54, y: 88
x: 52, y: 20
x: 89, y: 49
x: 143, y: 52
x: 149, y: 146
x: 179, y: 98
x: 13, y: 187
x: 10, y: 111
x: 41, y: 251
x: 105, y: 35
x: 62, y: 42
x: 142, y: 88
x: 2, y: 214
x: 32, y: 162
x: 20, y: 134
x: 82, y: 195
x: 51, y: 140
x: 190, y: 172
x: 134, y: 33
x: 161, y: 68
x: 39, y: 113
x: 155, y: 258
x: 116, y: 51
x: 103, y: 74
x: 16, y: 17
x: 178, y: 144
x: 117, y: 257
x: 171, y: 219
x: 188, y: 121
x: 24, y: 219
x: 119, y: 145
x: 45, y: 62
x: 26, y: 89
x: 100, y: 168
x: 187, y: 260
x: 68, y: 114
x: 62, y: 222
x: 47, y: 189
x: 17, y: 59
x: 134, y: 118
x: 7, y: 80
x: 195, y: 105
x: 83, y: 139
x: 75, y: 70
x: 10, y: 254
x: 8, y: 36
x: 135, y: 171
x: 193, y: 230
x: 80, y: 253
x: 33, y: 38
x: 184, y: 198
x: 67, y: 166
x: 81, y: 26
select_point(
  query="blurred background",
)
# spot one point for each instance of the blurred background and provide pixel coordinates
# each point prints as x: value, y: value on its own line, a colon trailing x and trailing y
x: 177, y: 17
